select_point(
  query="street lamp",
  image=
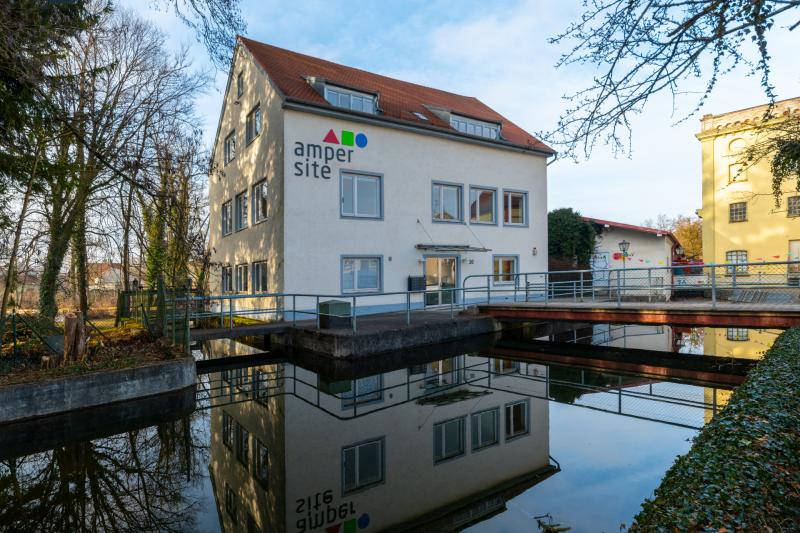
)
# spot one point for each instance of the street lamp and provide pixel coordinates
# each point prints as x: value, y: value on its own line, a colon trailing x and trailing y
x: 623, y: 247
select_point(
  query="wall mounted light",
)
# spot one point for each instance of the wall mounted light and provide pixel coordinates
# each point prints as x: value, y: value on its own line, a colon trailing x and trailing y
x: 535, y: 251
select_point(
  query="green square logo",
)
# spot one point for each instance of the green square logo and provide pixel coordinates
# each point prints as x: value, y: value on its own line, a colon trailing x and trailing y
x: 347, y: 138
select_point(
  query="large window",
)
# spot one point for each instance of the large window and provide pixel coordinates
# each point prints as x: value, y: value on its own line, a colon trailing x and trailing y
x: 230, y: 147
x: 241, y: 210
x: 357, y: 101
x: 447, y: 202
x: 485, y: 428
x: 242, y: 277
x: 361, y: 195
x: 363, y: 390
x: 227, y: 279
x: 227, y: 430
x: 793, y: 206
x: 504, y: 267
x: 260, y: 277
x: 738, y: 212
x: 253, y: 124
x: 448, y: 439
x: 362, y: 465
x: 361, y: 274
x: 471, y: 126
x: 227, y: 218
x: 515, y: 207
x: 261, y: 463
x: 260, y: 201
x: 736, y: 257
x: 516, y: 419
x: 242, y: 444
x: 482, y: 205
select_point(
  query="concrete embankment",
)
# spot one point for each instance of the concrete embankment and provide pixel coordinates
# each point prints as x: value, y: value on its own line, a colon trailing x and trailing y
x: 44, y: 398
x: 743, y: 470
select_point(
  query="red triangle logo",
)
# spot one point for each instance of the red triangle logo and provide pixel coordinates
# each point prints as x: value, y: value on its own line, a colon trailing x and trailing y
x: 331, y: 138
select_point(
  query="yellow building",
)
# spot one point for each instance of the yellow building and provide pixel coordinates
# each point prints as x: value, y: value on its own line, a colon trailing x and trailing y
x: 740, y: 220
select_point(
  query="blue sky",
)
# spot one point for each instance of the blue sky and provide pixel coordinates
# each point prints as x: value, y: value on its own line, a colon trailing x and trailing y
x: 498, y: 52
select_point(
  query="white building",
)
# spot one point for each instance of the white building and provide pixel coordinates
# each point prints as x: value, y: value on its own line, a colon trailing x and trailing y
x: 332, y: 180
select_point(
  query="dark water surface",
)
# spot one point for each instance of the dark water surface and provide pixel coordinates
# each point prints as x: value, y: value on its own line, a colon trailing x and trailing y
x: 452, y: 437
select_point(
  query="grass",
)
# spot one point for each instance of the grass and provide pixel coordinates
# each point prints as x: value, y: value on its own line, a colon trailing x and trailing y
x: 743, y: 470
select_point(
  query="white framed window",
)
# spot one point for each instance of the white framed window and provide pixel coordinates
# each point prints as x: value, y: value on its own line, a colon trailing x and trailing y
x: 361, y: 195
x: 448, y: 439
x: 737, y: 212
x: 735, y: 257
x: 737, y: 334
x: 227, y: 279
x: 242, y: 444
x: 361, y: 274
x: 241, y: 211
x: 515, y: 207
x: 482, y: 205
x: 242, y: 277
x: 516, y: 419
x: 239, y: 85
x: 446, y: 202
x: 472, y: 126
x: 362, y: 465
x: 349, y: 99
x: 260, y: 201
x: 253, y: 124
x: 227, y: 218
x: 260, y: 463
x: 230, y: 147
x: 504, y: 268
x: 260, y: 277
x: 793, y: 206
x: 485, y: 428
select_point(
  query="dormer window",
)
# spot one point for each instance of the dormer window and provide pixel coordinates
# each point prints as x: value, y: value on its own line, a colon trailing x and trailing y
x: 348, y: 99
x: 471, y: 126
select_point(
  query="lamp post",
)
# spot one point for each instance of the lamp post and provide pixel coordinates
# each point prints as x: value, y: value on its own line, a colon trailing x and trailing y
x: 623, y: 247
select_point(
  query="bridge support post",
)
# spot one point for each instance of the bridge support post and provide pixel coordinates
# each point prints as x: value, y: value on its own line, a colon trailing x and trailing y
x: 714, y: 287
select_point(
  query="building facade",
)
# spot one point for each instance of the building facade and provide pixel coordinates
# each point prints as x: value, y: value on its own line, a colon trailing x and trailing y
x: 741, y: 222
x: 331, y: 180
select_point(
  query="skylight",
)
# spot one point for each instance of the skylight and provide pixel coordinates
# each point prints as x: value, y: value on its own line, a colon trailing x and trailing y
x: 472, y: 126
x: 349, y: 99
x: 420, y: 115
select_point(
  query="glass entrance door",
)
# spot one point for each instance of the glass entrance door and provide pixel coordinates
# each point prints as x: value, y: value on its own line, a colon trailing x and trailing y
x: 440, y: 273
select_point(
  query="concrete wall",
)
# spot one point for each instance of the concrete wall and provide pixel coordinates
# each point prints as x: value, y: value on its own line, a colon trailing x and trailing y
x: 42, y: 398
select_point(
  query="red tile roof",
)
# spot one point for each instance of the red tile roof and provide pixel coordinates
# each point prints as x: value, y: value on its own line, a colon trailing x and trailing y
x: 631, y: 227
x: 397, y: 100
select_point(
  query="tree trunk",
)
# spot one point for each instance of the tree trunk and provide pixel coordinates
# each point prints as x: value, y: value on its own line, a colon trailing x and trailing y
x: 48, y: 286
x: 80, y: 259
x: 74, y: 338
x: 126, y: 236
x: 11, y: 271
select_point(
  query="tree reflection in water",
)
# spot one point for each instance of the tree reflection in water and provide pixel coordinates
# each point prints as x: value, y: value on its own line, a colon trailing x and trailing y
x: 133, y: 481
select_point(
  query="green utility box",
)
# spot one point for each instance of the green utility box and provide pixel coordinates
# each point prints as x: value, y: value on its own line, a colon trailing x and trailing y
x: 334, y: 314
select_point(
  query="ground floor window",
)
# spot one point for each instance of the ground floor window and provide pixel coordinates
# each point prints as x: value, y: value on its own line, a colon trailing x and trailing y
x: 448, y: 439
x: 227, y: 279
x: 738, y: 334
x: 734, y: 257
x: 242, y: 277
x: 485, y: 428
x: 361, y: 274
x: 261, y: 463
x: 504, y: 267
x: 362, y: 465
x: 516, y: 419
x: 260, y: 275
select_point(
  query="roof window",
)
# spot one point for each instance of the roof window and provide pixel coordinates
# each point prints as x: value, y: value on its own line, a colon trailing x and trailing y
x: 420, y: 116
x: 349, y: 99
x: 471, y: 126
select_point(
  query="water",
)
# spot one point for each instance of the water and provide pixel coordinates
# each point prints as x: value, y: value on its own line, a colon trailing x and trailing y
x: 446, y: 438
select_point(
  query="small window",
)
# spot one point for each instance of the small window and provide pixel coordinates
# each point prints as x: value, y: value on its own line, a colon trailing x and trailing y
x: 260, y: 277
x: 476, y: 127
x: 242, y: 278
x: 239, y: 85
x: 241, y: 211
x: 227, y: 430
x: 260, y: 201
x: 230, y: 502
x: 227, y: 279
x: 261, y: 463
x: 420, y: 116
x: 504, y: 269
x: 447, y: 202
x: 362, y: 465
x: 227, y: 218
x: 482, y: 205
x: 361, y: 195
x: 361, y: 274
x: 242, y: 444
x: 516, y: 419
x: 363, y: 391
x: 230, y: 147
x: 514, y: 208
x: 485, y: 428
x: 253, y: 124
x: 738, y: 334
x: 348, y: 99
x: 738, y: 212
x: 448, y: 439
x: 793, y: 206
x: 736, y: 257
